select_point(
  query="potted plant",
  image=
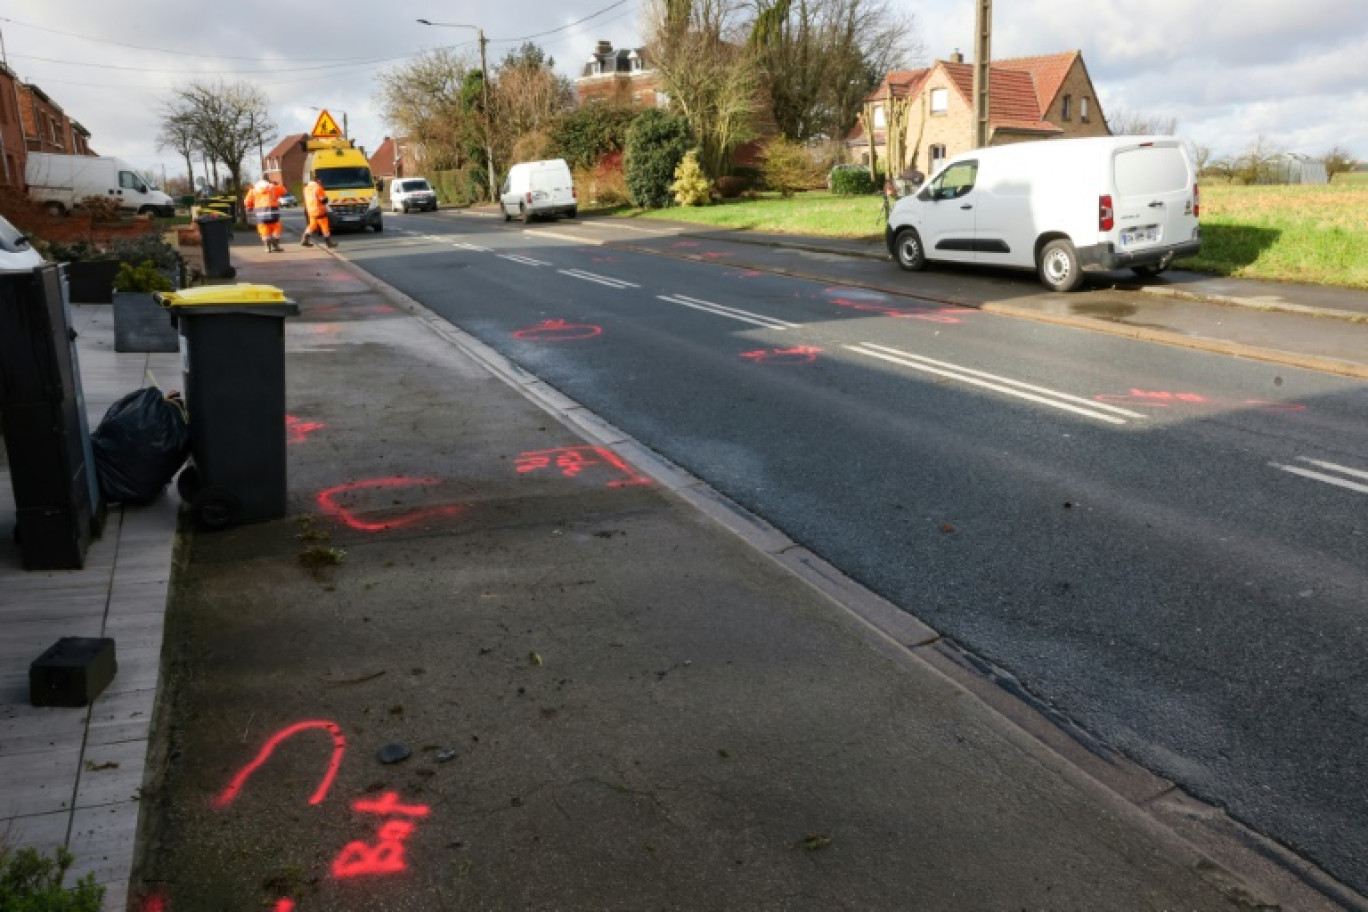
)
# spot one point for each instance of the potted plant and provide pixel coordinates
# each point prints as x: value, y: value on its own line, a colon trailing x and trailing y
x: 89, y: 269
x: 140, y: 323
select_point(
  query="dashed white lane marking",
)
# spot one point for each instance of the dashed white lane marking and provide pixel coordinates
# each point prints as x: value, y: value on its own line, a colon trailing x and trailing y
x: 733, y: 313
x: 1067, y: 402
x: 1328, y: 479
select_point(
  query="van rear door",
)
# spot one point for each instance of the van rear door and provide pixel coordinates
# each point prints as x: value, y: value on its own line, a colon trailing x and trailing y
x: 552, y: 185
x: 1154, y: 196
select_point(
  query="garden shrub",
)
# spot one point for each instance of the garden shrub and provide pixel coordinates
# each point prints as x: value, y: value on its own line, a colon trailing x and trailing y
x: 691, y: 186
x: 850, y: 182
x: 30, y: 882
x: 101, y: 208
x: 787, y: 167
x: 656, y: 144
x: 730, y: 186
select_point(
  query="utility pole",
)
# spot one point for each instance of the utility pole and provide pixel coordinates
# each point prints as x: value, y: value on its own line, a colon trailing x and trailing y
x: 983, y: 40
x: 484, y: 100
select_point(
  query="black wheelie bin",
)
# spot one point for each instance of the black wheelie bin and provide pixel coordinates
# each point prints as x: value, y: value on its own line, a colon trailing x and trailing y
x: 233, y: 358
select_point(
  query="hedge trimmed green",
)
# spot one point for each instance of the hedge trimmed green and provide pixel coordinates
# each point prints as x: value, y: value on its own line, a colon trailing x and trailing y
x: 656, y: 144
x: 852, y: 183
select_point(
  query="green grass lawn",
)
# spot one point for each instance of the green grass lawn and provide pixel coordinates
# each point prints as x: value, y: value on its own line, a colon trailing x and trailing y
x: 1316, y: 235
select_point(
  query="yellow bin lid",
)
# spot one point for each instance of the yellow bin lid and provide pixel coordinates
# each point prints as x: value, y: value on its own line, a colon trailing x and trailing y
x: 243, y: 298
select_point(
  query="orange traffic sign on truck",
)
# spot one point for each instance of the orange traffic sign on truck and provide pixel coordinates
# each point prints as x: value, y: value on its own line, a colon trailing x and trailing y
x: 325, y: 127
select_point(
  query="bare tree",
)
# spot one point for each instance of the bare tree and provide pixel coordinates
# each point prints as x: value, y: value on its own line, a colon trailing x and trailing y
x: 1337, y: 160
x: 708, y: 72
x: 1122, y: 122
x: 229, y: 120
x: 1255, y: 164
x: 1199, y: 155
x: 527, y: 98
x: 178, y: 135
x: 426, y: 102
x: 821, y: 58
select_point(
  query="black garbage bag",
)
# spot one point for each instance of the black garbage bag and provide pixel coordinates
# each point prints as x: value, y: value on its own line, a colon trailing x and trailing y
x: 140, y: 445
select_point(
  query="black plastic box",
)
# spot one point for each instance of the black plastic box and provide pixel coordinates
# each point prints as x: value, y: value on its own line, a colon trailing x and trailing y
x: 73, y: 672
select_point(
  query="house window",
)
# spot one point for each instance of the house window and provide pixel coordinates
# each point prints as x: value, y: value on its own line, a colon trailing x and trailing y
x: 937, y: 153
x: 1083, y: 109
x: 940, y: 101
x: 1068, y: 107
x: 880, y: 121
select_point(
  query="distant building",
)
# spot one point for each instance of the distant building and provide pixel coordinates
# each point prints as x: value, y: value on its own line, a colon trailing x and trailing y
x: 1293, y: 168
x: 396, y: 158
x: 284, y: 164
x: 31, y: 121
x: 929, y: 113
x: 623, y: 76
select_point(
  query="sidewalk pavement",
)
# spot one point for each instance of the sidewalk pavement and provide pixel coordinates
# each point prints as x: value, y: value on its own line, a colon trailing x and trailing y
x: 620, y: 690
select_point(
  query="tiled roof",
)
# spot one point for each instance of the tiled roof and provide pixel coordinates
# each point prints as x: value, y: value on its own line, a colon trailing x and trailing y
x: 1048, y: 71
x: 289, y: 142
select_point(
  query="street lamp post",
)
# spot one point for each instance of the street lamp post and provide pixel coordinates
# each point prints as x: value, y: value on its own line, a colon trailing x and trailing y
x: 484, y: 98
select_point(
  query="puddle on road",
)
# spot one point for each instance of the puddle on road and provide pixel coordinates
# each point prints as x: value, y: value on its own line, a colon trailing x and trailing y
x: 1115, y: 311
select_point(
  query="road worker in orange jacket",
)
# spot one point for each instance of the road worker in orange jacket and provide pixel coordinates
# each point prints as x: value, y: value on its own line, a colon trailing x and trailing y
x: 316, y: 205
x: 263, y: 201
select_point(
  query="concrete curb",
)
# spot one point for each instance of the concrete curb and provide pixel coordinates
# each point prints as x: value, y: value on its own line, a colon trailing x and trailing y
x: 1243, y: 862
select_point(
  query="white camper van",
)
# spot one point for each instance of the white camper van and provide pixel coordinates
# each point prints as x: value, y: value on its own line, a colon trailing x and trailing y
x: 60, y: 182
x: 538, y: 188
x: 1061, y: 207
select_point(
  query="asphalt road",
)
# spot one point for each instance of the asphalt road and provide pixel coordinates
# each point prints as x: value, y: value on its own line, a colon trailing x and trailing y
x: 1168, y: 546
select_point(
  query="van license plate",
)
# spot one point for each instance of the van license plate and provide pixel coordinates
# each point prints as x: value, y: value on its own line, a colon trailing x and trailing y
x: 1139, y: 236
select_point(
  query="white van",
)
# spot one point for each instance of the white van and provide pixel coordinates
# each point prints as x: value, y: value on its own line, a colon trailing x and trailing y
x: 60, y: 182
x: 412, y: 193
x: 1061, y: 207
x: 538, y: 188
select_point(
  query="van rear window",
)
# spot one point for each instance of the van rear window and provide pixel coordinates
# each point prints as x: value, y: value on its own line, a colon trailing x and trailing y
x: 1151, y: 169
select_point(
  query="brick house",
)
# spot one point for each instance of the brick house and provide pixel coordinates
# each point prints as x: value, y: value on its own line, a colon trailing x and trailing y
x: 46, y: 126
x: 396, y: 158
x: 922, y: 117
x: 623, y: 76
x: 11, y: 131
x: 284, y: 164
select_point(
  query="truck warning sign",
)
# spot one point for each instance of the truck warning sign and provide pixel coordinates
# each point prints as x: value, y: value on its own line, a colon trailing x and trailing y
x: 325, y: 127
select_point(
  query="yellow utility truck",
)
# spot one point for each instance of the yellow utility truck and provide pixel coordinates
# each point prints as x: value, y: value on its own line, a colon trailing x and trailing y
x: 345, y: 174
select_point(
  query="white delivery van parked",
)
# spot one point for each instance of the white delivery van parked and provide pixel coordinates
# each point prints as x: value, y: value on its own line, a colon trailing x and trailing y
x: 1061, y: 207
x: 538, y: 188
x: 60, y: 182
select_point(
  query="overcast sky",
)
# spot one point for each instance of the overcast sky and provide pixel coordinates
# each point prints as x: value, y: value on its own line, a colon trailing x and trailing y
x: 1230, y: 71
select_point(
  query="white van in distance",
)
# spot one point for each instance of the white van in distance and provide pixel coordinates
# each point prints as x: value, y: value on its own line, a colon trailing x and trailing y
x: 60, y: 182
x: 1061, y: 207
x: 538, y: 188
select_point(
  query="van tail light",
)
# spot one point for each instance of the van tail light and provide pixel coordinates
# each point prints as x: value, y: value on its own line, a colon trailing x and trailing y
x: 573, y: 195
x: 1106, y: 215
x: 1196, y: 201
x: 529, y: 197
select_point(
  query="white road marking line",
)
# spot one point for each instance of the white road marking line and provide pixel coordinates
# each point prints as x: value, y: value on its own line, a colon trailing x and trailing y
x: 474, y: 247
x: 595, y: 277
x: 1328, y: 479
x: 1088, y: 403
x: 526, y: 261
x: 721, y: 310
x: 965, y: 375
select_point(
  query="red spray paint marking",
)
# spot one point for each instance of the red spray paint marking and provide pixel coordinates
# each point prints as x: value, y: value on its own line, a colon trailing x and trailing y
x: 284, y: 905
x: 558, y: 331
x: 386, y: 856
x: 153, y: 903
x: 803, y: 354
x: 226, y: 797
x: 327, y: 500
x: 949, y: 315
x: 1164, y: 399
x: 686, y: 243
x: 300, y: 430
x: 571, y: 461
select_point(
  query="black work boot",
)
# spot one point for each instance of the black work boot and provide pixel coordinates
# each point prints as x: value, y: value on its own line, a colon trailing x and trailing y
x: 306, y: 242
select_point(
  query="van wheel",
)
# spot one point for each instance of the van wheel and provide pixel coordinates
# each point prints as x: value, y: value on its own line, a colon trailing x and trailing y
x: 574, y: 212
x: 1059, y: 269
x: 504, y: 210
x: 908, y: 247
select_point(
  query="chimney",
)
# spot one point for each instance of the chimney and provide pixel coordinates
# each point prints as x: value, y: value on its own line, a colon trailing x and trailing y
x: 604, y: 49
x: 957, y: 57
